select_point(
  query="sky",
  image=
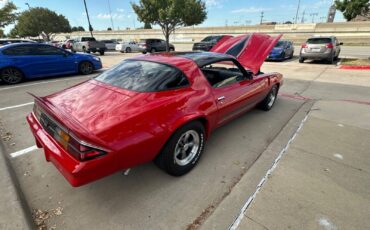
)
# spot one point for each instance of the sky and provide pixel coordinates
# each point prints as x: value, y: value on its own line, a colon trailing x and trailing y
x: 220, y: 12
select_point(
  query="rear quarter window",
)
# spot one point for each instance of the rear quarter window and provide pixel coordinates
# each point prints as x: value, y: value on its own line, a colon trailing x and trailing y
x: 144, y: 76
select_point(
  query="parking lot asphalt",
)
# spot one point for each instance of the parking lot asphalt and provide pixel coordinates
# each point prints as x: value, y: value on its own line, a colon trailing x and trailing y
x: 147, y: 198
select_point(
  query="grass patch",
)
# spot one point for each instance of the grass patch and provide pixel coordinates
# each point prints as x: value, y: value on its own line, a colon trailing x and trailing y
x: 355, y: 62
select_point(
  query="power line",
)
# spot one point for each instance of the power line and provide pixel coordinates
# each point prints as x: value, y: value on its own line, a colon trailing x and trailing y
x: 296, y: 15
x: 304, y: 12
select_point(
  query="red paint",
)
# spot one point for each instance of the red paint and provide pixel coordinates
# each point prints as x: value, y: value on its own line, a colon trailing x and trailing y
x: 254, y: 52
x: 133, y: 127
x: 361, y: 67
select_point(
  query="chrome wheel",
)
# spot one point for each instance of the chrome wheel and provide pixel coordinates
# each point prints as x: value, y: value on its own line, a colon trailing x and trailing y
x: 11, y: 76
x: 272, y: 97
x: 187, y: 147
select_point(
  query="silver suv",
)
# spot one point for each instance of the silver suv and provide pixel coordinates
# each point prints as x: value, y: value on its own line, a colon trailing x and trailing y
x: 320, y: 48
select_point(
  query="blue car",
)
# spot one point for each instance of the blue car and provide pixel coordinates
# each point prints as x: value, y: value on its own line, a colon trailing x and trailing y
x: 34, y: 60
x: 283, y: 50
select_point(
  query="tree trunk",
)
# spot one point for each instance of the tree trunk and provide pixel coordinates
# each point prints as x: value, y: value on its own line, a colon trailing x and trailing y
x: 167, y: 35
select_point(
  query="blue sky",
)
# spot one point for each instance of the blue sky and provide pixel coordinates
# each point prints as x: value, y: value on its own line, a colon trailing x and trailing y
x: 220, y: 12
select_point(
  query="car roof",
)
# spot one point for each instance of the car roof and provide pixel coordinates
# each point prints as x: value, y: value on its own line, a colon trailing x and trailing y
x: 22, y: 44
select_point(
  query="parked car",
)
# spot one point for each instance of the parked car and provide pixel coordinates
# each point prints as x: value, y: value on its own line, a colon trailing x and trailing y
x: 11, y: 41
x: 34, y: 60
x: 67, y: 44
x: 153, y: 45
x: 87, y: 45
x: 320, y: 48
x: 158, y: 107
x: 283, y: 50
x: 208, y: 42
x: 128, y: 47
x: 110, y: 44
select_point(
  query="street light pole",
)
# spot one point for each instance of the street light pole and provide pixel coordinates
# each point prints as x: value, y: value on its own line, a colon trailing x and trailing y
x: 110, y: 14
x: 88, y: 20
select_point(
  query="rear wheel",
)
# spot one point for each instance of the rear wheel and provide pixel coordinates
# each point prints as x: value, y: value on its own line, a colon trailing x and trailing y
x: 128, y: 50
x: 85, y: 68
x: 270, y: 99
x: 172, y: 49
x: 183, y: 150
x: 11, y: 76
x: 301, y: 60
x: 153, y: 50
x: 101, y: 52
x: 331, y: 59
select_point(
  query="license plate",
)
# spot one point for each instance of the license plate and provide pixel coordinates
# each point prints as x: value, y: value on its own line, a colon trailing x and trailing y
x: 315, y: 49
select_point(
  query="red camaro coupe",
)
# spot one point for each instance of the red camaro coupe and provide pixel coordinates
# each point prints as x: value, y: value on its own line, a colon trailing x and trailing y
x: 155, y: 107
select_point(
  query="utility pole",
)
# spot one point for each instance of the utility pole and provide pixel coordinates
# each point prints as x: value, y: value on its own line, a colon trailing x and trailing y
x: 296, y: 15
x: 322, y: 19
x: 261, y: 17
x: 110, y: 14
x: 313, y: 16
x: 88, y: 20
x: 303, y: 13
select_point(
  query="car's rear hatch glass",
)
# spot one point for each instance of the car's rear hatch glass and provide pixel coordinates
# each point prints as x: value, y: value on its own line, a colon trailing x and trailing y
x: 318, y: 41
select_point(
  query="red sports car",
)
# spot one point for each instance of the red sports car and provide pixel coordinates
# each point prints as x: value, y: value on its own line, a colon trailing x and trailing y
x: 155, y: 107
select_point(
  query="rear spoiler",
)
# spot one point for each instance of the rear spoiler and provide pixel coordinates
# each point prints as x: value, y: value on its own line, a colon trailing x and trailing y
x: 64, y: 119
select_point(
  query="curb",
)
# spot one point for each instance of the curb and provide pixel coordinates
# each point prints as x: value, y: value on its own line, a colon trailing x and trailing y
x: 229, y: 209
x: 14, y: 210
x: 359, y: 67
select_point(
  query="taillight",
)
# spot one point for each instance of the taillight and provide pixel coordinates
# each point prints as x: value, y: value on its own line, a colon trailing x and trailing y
x: 304, y: 45
x: 83, y: 151
x: 329, y: 46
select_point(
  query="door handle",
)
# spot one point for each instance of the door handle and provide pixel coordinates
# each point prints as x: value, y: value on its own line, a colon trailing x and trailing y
x: 221, y: 98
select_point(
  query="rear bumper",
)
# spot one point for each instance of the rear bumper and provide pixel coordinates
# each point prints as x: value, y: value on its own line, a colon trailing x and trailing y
x: 325, y: 55
x: 77, y: 173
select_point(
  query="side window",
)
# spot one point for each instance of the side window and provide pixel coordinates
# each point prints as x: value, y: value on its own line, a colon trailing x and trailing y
x: 47, y: 50
x: 223, y: 73
x: 23, y: 50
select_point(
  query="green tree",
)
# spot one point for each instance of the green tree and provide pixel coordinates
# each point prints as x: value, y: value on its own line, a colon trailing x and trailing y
x: 147, y: 26
x: 38, y: 20
x: 13, y: 32
x: 77, y: 28
x: 8, y: 14
x: 170, y: 14
x: 2, y: 33
x: 353, y: 8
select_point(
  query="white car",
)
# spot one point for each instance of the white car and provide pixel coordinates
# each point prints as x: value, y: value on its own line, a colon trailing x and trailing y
x: 128, y: 47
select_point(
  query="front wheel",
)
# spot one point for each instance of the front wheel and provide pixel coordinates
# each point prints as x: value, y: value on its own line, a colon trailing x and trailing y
x: 183, y: 150
x: 101, y: 52
x: 270, y: 99
x: 85, y: 68
x: 128, y: 50
x: 11, y: 76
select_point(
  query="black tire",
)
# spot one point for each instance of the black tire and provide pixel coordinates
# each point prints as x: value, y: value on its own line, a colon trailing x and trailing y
x: 172, y: 49
x: 301, y: 60
x: 331, y: 59
x: 85, y: 68
x: 72, y: 50
x: 101, y: 52
x: 270, y: 99
x: 84, y: 49
x: 128, y: 50
x: 153, y: 50
x: 170, y: 160
x: 11, y: 76
x: 291, y: 56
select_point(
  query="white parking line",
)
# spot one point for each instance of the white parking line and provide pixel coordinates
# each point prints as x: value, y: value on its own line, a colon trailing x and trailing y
x: 16, y: 106
x: 241, y: 215
x: 23, y: 151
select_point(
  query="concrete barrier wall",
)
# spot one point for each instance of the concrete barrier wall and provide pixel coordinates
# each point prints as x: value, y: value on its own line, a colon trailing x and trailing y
x: 351, y: 33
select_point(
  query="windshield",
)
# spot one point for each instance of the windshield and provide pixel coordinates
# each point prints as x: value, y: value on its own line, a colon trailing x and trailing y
x: 319, y: 40
x: 280, y: 44
x: 143, y: 76
x: 211, y: 39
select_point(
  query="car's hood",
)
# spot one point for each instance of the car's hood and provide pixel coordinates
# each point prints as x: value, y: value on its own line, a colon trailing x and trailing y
x: 250, y: 50
x: 277, y: 50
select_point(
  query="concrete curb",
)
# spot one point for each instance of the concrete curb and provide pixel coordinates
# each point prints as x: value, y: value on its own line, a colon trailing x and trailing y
x: 14, y: 210
x: 229, y: 209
